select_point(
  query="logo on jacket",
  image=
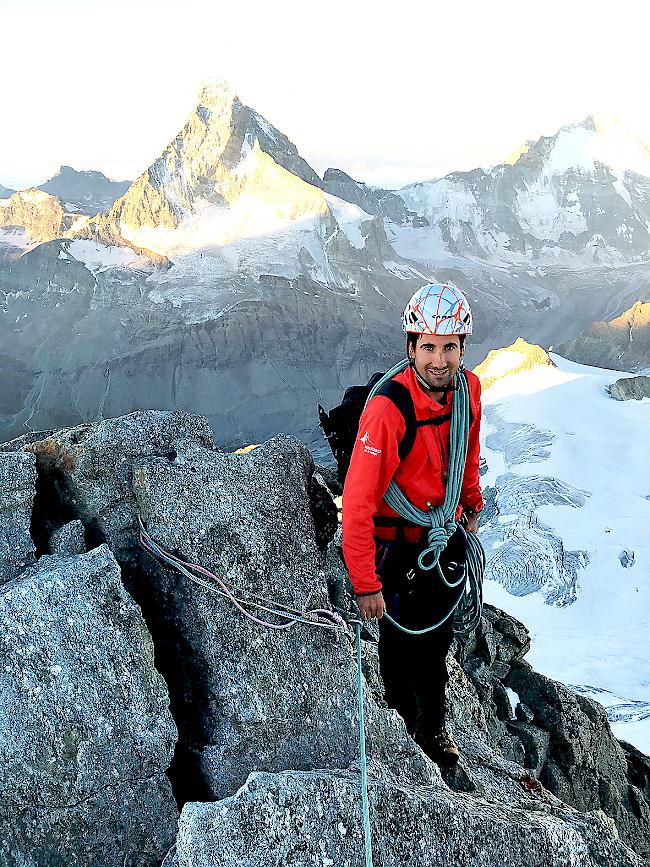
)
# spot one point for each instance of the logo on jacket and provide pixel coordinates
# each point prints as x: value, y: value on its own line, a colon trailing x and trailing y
x: 368, y: 447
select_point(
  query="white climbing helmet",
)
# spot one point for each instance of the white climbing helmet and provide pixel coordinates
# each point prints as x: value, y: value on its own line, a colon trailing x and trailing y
x: 438, y: 308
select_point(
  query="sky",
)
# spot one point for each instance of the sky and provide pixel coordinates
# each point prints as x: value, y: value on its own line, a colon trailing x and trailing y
x: 389, y: 93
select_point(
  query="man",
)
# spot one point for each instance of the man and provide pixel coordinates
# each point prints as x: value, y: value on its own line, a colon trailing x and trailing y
x: 380, y: 548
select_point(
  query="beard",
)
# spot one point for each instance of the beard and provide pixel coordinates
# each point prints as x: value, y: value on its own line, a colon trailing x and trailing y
x: 437, y: 381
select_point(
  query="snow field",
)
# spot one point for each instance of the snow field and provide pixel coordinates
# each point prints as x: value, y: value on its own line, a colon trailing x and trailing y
x: 599, y: 446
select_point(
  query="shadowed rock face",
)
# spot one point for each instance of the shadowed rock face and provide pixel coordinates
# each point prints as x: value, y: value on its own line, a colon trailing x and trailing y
x: 563, y: 738
x: 622, y: 343
x: 267, y: 720
x: 86, y: 733
x: 86, y: 192
x: 373, y: 200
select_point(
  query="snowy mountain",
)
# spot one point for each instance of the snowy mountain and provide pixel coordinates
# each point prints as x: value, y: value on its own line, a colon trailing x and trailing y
x: 86, y: 192
x: 620, y: 344
x: 230, y: 280
x: 224, y: 280
x: 230, y: 197
x: 565, y: 530
x: 575, y: 199
x: 31, y: 216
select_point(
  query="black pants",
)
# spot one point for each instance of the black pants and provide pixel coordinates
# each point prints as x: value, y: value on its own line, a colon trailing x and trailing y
x: 413, y: 667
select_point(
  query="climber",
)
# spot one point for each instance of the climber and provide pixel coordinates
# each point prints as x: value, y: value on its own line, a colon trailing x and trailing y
x: 381, y: 548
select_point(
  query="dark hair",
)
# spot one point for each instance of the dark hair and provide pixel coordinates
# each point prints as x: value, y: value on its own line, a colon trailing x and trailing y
x: 412, y: 340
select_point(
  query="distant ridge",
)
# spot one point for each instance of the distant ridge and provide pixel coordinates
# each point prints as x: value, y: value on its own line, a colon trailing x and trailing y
x: 87, y: 192
x: 620, y: 344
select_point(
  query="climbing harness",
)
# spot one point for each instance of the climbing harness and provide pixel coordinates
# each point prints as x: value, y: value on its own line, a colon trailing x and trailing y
x: 439, y: 520
x: 292, y: 618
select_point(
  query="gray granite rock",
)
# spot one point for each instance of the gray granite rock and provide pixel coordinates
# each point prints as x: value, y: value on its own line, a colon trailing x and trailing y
x: 282, y: 704
x: 85, y: 729
x: 89, y: 468
x: 17, y: 491
x: 269, y: 700
x: 630, y: 388
x: 585, y: 765
x: 315, y: 818
x: 535, y: 742
x: 69, y: 539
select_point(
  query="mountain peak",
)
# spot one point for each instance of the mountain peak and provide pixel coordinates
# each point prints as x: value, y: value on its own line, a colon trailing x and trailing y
x: 224, y: 158
x: 87, y: 192
x: 598, y: 139
x: 215, y: 90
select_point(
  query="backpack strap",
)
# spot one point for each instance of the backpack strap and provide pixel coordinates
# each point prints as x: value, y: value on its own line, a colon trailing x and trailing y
x: 401, y: 397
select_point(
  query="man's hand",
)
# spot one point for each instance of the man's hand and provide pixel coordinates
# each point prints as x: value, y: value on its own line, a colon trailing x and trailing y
x: 470, y: 521
x: 371, y: 606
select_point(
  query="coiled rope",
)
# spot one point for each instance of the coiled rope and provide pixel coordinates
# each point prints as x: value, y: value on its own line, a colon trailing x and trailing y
x: 440, y: 520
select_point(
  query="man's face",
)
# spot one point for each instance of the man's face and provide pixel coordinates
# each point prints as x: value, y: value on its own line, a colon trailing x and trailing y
x: 437, y: 358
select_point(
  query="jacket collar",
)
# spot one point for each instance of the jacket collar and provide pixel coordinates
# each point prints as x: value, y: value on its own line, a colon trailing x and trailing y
x: 424, y: 404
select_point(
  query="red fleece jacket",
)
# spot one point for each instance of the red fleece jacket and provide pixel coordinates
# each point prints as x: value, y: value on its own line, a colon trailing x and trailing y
x: 421, y: 475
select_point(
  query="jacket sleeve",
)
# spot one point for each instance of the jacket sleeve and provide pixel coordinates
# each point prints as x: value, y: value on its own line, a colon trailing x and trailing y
x: 470, y: 492
x: 374, y: 460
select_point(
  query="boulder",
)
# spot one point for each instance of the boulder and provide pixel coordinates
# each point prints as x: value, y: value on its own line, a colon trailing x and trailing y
x: 630, y: 388
x: 270, y: 700
x: 85, y: 729
x: 69, y: 539
x: 315, y: 818
x: 86, y: 470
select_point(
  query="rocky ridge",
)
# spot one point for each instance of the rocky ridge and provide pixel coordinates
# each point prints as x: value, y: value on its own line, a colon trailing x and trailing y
x: 230, y: 261
x: 517, y: 357
x: 622, y: 343
x: 86, y: 192
x: 266, y: 758
x: 577, y: 198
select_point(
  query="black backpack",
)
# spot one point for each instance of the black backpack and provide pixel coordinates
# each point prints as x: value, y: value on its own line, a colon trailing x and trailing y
x: 341, y: 424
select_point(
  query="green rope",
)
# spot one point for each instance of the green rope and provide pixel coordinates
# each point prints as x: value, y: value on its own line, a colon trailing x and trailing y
x: 362, y: 753
x: 440, y: 520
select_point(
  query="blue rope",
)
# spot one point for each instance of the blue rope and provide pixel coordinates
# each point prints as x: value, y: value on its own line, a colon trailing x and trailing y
x: 362, y: 753
x: 440, y: 520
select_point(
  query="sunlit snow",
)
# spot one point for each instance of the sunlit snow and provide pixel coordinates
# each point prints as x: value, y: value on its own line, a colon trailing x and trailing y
x: 98, y: 257
x: 596, y: 450
x: 504, y: 362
